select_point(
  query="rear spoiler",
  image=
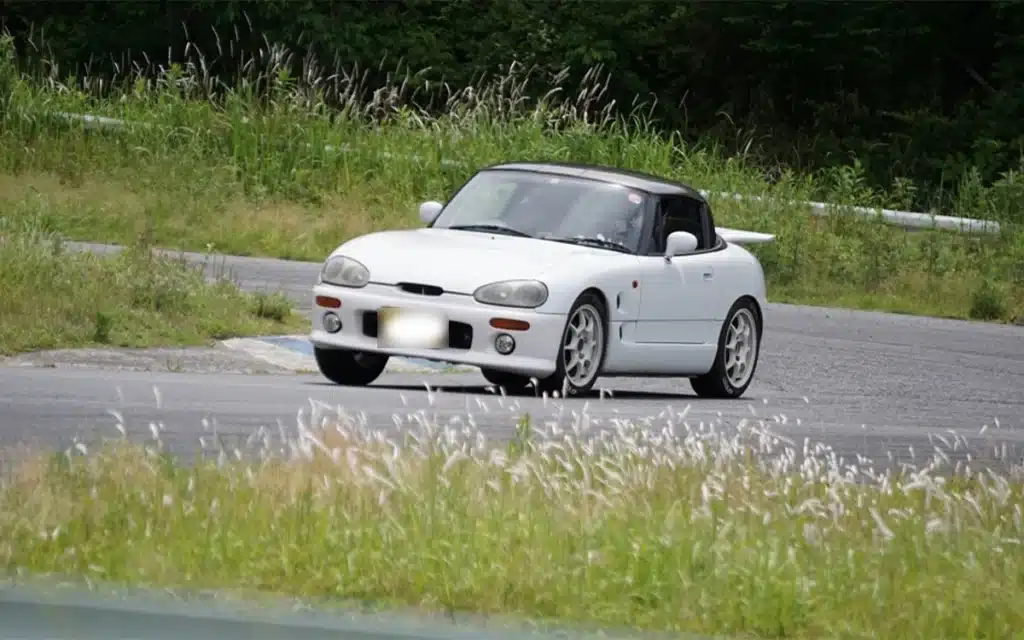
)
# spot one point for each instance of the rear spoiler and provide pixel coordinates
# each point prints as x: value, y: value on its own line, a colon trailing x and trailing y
x: 739, y: 236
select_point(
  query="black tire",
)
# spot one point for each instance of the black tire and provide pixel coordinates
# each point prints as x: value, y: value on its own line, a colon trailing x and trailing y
x: 511, y: 382
x: 350, y: 368
x: 559, y: 382
x: 716, y: 383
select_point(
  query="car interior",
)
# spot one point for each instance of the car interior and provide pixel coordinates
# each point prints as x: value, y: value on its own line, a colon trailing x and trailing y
x: 678, y: 214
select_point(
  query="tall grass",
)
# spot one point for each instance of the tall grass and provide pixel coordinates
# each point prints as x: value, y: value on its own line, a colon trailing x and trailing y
x: 663, y: 524
x: 54, y: 298
x: 273, y: 164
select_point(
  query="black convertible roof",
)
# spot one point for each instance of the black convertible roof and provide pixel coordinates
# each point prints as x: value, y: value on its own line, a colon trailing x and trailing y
x: 625, y: 177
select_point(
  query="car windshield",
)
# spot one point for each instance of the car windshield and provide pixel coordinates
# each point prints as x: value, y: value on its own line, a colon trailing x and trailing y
x: 548, y: 207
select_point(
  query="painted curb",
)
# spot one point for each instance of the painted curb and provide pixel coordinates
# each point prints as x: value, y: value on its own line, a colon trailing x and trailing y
x: 295, y: 353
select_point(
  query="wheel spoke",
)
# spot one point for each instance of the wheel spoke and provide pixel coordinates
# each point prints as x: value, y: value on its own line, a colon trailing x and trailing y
x: 582, y: 350
x: 739, y: 348
x: 573, y: 362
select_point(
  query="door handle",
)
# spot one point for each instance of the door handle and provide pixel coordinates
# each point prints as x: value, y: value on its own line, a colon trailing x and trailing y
x: 709, y: 273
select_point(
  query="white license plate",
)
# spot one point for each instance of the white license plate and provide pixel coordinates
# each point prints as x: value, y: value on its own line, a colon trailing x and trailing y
x: 399, y: 328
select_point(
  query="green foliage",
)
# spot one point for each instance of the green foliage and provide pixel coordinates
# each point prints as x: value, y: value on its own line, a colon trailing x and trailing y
x: 924, y: 92
x: 987, y: 302
x: 668, y: 527
x: 54, y: 298
x: 289, y: 177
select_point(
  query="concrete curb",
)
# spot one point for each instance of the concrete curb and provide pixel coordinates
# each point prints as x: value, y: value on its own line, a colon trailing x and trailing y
x: 295, y: 353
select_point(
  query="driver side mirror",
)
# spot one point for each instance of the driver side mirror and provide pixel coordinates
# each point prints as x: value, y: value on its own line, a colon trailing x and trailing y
x: 679, y: 243
x: 429, y: 211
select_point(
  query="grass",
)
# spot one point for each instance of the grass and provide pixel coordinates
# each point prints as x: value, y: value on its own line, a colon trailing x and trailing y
x: 660, y: 526
x: 697, y: 532
x: 256, y: 169
x: 55, y: 298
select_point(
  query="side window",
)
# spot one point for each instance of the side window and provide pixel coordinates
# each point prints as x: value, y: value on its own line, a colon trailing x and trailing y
x: 678, y: 213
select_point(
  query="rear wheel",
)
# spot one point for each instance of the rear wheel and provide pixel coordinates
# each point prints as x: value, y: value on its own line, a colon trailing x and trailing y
x: 739, y: 345
x: 350, y: 368
x: 581, y: 350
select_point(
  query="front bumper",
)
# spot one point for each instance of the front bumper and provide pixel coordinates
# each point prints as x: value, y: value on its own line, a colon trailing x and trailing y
x: 471, y: 336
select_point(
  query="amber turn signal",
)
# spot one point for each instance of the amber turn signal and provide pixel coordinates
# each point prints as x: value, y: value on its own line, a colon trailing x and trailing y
x: 509, y: 325
x: 328, y: 302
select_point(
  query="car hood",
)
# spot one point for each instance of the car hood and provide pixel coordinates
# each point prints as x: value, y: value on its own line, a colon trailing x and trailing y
x: 456, y: 261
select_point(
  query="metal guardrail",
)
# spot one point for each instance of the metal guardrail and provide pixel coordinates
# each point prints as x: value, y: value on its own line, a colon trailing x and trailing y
x: 73, y: 612
x: 904, y: 219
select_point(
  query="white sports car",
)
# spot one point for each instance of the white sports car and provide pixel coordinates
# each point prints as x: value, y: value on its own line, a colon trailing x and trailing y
x: 558, y: 273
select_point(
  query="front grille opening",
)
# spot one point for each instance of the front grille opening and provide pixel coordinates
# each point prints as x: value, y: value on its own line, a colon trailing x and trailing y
x: 370, y: 324
x: 460, y: 334
x: 420, y: 289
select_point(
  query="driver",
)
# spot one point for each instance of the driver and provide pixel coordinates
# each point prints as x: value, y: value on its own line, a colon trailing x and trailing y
x: 622, y: 218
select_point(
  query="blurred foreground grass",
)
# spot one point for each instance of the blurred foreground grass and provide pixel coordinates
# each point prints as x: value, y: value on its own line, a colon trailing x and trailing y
x: 701, y: 531
x: 255, y: 169
x: 54, y: 298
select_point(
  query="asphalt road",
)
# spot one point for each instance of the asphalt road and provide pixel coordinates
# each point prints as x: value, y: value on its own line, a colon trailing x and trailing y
x: 862, y: 382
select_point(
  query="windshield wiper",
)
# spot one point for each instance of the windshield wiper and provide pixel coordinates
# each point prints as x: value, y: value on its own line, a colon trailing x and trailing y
x: 491, y: 228
x: 595, y: 242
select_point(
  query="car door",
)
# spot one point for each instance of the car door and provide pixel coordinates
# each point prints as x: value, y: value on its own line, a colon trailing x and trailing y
x: 676, y: 294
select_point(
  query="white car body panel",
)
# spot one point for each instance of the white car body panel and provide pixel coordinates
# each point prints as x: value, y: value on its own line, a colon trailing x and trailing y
x: 459, y: 261
x: 664, y: 317
x: 680, y: 299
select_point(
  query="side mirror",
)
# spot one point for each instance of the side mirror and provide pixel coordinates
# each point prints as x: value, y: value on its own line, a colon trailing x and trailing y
x: 429, y: 211
x: 679, y: 243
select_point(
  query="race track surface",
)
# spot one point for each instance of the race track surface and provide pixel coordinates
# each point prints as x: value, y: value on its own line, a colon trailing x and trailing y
x: 862, y: 382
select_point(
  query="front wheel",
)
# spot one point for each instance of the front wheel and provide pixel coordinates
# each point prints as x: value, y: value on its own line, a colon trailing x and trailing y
x: 350, y: 368
x: 581, y: 351
x: 739, y: 345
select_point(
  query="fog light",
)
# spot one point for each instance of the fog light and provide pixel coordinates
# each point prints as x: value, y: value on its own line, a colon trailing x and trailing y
x: 504, y: 344
x: 332, y: 323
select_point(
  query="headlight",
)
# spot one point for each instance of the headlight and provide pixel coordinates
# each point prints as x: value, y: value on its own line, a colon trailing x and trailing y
x: 513, y: 293
x: 344, y: 272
